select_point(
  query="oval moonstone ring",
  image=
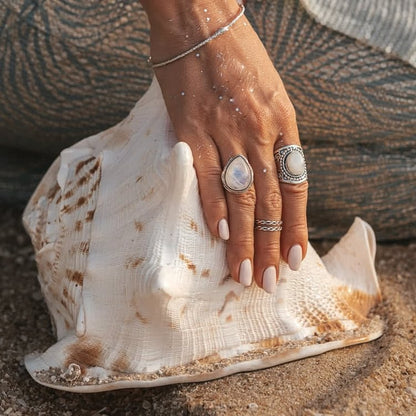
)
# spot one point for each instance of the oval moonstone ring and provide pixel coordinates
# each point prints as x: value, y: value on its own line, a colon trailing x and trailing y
x: 291, y: 165
x: 237, y: 175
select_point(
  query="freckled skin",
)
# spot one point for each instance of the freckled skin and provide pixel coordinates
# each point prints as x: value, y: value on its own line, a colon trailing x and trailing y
x: 225, y: 99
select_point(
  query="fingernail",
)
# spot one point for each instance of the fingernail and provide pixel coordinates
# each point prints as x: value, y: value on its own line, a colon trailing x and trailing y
x: 269, y: 279
x: 294, y: 258
x: 223, y: 229
x: 246, y: 274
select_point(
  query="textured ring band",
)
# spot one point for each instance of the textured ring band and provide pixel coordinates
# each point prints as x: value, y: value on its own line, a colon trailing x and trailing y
x: 267, y: 222
x: 265, y: 228
x: 268, y: 225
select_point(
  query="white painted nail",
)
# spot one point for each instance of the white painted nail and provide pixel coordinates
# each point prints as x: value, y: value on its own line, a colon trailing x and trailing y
x: 223, y: 229
x: 294, y: 258
x: 245, y: 274
x: 269, y: 279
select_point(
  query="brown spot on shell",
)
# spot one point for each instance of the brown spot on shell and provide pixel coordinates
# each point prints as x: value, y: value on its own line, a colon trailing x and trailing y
x: 188, y: 262
x: 225, y: 279
x: 64, y: 304
x: 82, y: 181
x: 59, y: 199
x: 183, y: 310
x: 147, y: 134
x: 138, y: 225
x: 86, y: 353
x: 313, y: 317
x: 133, y: 262
x: 329, y: 327
x: 229, y: 318
x: 65, y: 292
x: 139, y: 178
x: 67, y: 324
x: 84, y: 247
x: 149, y: 194
x: 205, y: 273
x: 141, y: 318
x: 355, y: 304
x: 121, y: 364
x: 90, y: 215
x: 68, y: 194
x: 193, y: 225
x: 95, y: 186
x: 53, y: 191
x: 271, y: 342
x: 78, y: 225
x: 228, y: 298
x: 81, y: 201
x: 75, y: 276
x: 210, y: 359
x: 82, y: 164
x: 95, y: 167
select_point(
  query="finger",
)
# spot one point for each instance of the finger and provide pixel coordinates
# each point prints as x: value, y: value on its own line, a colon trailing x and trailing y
x: 294, y: 239
x: 208, y: 169
x: 241, y: 218
x: 268, y: 207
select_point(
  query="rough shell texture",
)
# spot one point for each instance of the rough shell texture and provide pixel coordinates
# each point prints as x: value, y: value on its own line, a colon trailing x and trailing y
x: 138, y: 289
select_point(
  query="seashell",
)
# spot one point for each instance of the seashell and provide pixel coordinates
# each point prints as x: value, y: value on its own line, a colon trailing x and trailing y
x: 138, y: 290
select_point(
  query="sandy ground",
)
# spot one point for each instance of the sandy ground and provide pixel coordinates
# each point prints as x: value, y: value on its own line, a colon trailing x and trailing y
x: 378, y: 378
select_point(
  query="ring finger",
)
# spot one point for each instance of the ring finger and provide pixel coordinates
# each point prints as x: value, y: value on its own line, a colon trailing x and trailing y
x: 268, y: 219
x: 240, y: 213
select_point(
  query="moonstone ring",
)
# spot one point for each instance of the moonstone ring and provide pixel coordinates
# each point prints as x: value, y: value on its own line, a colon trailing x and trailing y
x: 237, y: 175
x: 291, y: 165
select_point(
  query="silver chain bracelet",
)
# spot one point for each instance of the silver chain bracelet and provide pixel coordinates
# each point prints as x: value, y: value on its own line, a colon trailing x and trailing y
x: 219, y: 32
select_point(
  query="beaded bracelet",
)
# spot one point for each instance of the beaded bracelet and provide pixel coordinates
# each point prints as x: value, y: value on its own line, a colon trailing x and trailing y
x: 219, y: 32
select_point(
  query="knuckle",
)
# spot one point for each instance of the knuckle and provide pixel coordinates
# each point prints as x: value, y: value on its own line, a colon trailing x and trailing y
x: 297, y: 231
x: 270, y: 251
x: 272, y: 199
x: 287, y: 111
x: 247, y: 199
x: 210, y: 172
x: 242, y: 247
x: 297, y: 192
x: 214, y: 206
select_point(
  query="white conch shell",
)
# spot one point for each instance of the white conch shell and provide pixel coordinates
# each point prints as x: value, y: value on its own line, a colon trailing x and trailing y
x: 138, y: 289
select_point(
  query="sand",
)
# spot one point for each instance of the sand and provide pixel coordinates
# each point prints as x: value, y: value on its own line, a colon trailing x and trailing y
x: 378, y: 378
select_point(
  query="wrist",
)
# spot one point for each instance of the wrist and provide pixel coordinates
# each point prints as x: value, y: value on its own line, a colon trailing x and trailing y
x: 178, y: 24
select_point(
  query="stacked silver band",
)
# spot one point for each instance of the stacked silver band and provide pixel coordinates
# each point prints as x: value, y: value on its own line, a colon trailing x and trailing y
x: 268, y: 225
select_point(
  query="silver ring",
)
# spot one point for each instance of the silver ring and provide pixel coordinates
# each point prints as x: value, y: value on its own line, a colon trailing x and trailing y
x: 237, y: 175
x: 291, y: 164
x: 268, y: 225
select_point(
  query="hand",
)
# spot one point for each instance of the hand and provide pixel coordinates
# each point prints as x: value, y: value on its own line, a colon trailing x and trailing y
x: 225, y: 99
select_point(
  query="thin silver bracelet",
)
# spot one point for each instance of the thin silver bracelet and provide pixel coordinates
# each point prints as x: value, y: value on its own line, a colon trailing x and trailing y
x: 219, y: 32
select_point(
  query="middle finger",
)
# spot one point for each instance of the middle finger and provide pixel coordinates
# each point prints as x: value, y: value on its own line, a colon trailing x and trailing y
x: 268, y: 214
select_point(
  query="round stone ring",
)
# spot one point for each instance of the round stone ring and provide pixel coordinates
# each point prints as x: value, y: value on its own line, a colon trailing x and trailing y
x: 237, y: 175
x: 291, y: 165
